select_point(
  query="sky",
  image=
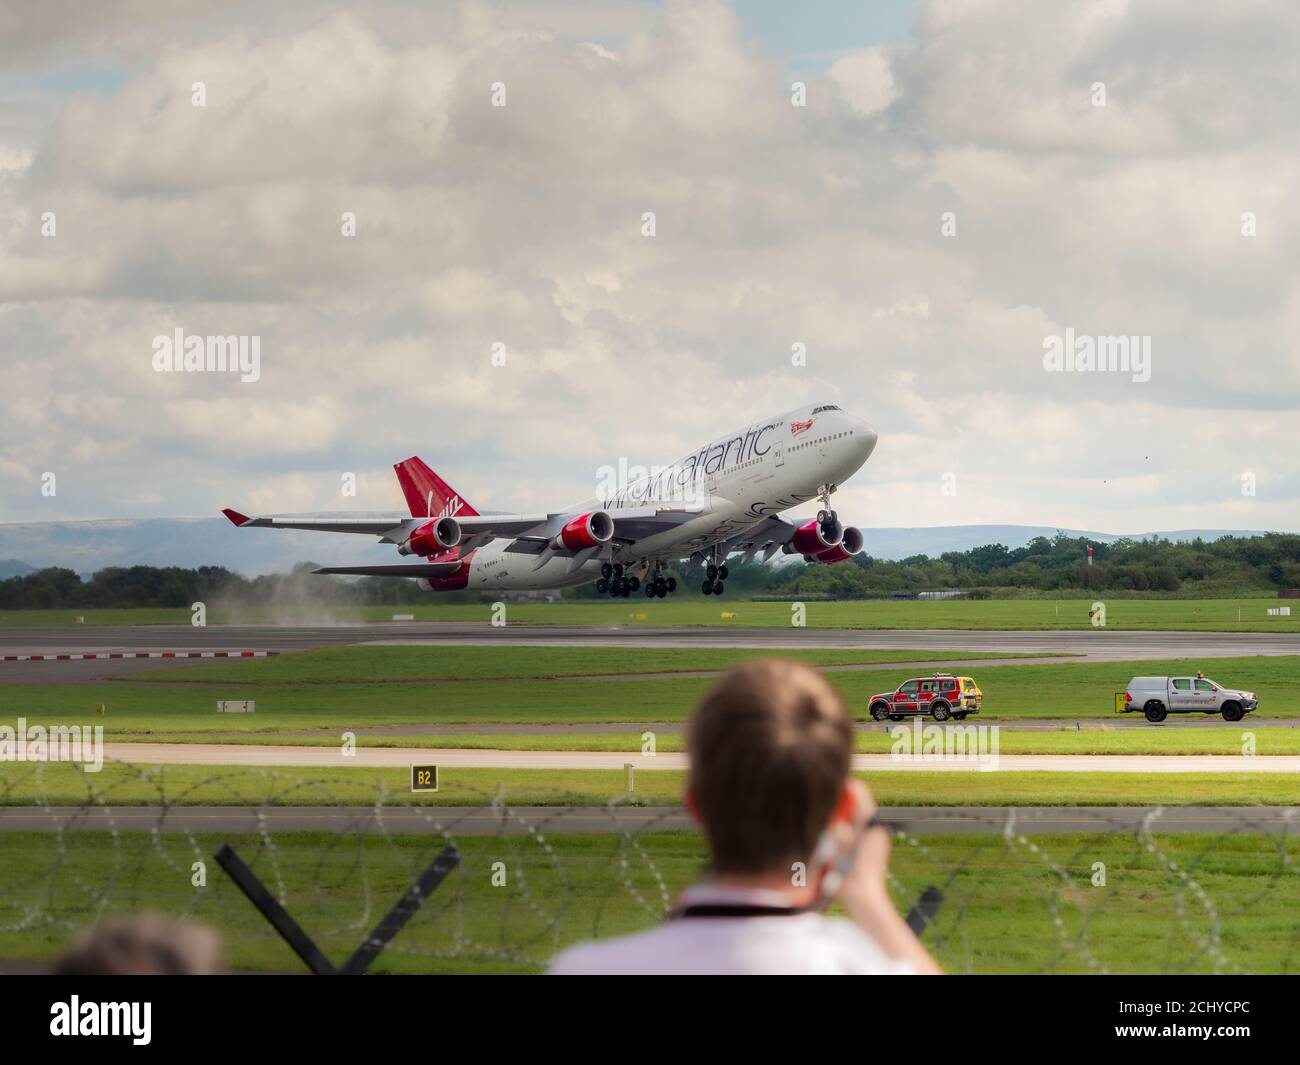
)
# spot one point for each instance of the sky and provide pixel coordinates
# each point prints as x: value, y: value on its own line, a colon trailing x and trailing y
x: 919, y: 195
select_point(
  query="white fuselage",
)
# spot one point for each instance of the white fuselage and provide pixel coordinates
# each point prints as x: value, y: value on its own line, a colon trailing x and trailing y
x: 734, y: 482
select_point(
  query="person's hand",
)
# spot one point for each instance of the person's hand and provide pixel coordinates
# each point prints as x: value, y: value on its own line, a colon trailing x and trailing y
x: 864, y: 888
x: 864, y: 883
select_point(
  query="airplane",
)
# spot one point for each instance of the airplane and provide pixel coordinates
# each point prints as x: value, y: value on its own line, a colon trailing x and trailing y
x: 724, y: 499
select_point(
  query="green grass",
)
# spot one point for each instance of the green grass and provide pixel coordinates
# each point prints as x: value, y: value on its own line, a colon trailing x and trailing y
x: 692, y: 609
x: 1003, y: 900
x: 1066, y: 691
x: 26, y: 784
x: 445, y: 662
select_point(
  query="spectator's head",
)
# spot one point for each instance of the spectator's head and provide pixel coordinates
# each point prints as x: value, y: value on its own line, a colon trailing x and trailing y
x: 145, y: 944
x: 770, y: 748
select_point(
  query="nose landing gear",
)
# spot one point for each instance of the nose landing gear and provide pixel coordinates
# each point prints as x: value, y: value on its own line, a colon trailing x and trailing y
x: 826, y: 517
x: 715, y: 573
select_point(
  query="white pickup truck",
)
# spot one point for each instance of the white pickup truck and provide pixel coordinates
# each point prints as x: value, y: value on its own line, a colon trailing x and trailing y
x: 1157, y: 697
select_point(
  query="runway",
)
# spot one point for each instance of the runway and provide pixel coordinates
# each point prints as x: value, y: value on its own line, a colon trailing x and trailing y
x: 1089, y: 645
x: 236, y: 754
x: 533, y: 820
x: 1095, y: 643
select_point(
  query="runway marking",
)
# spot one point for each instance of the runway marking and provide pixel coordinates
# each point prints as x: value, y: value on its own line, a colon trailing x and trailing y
x: 86, y: 656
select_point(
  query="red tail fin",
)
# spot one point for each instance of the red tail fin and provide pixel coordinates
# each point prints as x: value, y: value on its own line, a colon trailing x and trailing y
x: 427, y: 494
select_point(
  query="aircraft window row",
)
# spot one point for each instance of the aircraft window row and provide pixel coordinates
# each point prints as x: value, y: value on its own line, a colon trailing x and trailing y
x: 818, y: 410
x: 821, y: 439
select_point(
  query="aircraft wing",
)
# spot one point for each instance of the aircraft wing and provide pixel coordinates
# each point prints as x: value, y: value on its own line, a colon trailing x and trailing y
x: 633, y: 525
x: 768, y: 536
x: 630, y: 525
x: 529, y: 533
x: 407, y: 569
x: 482, y: 527
x: 389, y: 530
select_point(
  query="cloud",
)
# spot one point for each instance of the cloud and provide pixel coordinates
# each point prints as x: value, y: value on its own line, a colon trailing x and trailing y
x: 522, y: 225
x: 865, y: 80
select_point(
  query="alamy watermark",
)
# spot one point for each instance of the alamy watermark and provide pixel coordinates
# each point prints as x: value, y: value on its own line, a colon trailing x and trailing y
x: 929, y: 742
x: 82, y: 744
x: 1075, y: 353
x: 179, y: 353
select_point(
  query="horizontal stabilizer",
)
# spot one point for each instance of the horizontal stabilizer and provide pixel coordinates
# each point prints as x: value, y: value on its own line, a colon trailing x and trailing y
x: 408, y: 569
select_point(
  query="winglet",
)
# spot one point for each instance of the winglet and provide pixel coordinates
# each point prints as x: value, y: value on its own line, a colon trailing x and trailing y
x: 235, y: 517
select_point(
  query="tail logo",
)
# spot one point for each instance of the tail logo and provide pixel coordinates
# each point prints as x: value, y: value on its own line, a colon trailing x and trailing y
x: 448, y: 511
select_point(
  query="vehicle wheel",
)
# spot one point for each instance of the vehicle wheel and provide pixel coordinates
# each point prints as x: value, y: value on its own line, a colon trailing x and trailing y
x: 634, y: 583
x: 1232, y: 712
x: 606, y: 570
x: 1155, y: 711
x: 960, y: 716
x: 650, y: 590
x: 711, y: 571
x: 940, y: 711
x: 618, y: 569
x: 602, y: 586
x: 879, y: 711
x: 823, y: 516
x: 661, y: 592
x: 722, y: 572
x: 707, y: 587
x: 717, y: 587
x: 672, y: 584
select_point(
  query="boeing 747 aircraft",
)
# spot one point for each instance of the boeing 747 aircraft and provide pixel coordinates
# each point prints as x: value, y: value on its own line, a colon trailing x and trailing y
x: 721, y: 500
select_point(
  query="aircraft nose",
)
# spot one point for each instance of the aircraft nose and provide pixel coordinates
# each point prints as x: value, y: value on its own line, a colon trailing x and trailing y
x: 865, y: 436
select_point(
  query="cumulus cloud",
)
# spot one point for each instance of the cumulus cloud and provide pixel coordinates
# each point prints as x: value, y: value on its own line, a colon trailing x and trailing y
x: 935, y: 212
x: 865, y: 79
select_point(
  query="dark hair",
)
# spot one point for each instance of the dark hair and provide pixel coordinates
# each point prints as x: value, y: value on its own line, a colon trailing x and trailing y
x: 770, y: 748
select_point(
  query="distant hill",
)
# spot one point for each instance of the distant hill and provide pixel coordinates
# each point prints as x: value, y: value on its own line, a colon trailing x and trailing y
x: 87, y: 546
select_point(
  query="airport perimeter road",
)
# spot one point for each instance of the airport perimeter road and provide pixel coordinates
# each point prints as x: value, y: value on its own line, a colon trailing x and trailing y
x: 1089, y: 720
x: 486, y: 821
x: 236, y: 754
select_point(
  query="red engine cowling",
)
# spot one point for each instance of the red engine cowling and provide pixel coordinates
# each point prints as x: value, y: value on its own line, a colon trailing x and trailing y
x: 586, y: 530
x: 851, y: 544
x: 458, y: 580
x: 431, y: 538
x: 811, y: 539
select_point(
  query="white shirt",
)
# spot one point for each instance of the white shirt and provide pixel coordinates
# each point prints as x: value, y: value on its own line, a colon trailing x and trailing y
x: 793, y: 944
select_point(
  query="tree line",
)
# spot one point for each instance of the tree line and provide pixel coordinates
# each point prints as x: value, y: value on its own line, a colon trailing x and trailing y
x: 1228, y: 566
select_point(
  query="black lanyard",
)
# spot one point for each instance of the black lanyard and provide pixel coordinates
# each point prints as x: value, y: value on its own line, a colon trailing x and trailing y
x: 736, y: 909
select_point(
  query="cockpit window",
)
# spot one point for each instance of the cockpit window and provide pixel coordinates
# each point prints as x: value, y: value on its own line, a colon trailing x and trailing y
x: 829, y: 406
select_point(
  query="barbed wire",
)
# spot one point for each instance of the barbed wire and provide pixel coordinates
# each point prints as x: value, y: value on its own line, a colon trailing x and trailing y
x: 1125, y: 895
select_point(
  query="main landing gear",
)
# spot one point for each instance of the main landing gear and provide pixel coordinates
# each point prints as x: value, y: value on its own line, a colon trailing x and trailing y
x: 615, y: 581
x: 657, y: 585
x: 618, y: 581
